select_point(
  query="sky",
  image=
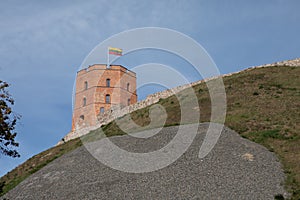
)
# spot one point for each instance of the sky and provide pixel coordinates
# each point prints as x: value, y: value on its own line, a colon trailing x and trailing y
x: 43, y: 44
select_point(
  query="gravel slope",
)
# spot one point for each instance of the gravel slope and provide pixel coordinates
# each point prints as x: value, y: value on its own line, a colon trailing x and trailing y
x: 235, y: 169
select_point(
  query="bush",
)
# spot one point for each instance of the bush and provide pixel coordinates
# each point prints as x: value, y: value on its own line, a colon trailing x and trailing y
x: 2, y: 184
x: 278, y: 197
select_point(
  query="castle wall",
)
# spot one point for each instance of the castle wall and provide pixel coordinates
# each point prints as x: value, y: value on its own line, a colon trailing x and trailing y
x: 91, y: 76
x: 109, y: 115
x: 91, y: 91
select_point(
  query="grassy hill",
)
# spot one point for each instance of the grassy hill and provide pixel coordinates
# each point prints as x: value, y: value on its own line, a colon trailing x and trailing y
x: 262, y: 105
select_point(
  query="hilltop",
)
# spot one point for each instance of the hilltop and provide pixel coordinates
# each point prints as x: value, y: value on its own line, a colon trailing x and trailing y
x: 235, y: 169
x: 262, y: 106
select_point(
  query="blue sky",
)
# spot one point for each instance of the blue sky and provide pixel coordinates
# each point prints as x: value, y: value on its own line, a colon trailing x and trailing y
x: 43, y: 44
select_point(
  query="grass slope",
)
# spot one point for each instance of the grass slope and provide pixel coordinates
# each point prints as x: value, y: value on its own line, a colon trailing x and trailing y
x: 262, y: 105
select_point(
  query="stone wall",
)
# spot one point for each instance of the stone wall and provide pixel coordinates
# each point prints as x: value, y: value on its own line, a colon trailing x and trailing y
x: 110, y: 115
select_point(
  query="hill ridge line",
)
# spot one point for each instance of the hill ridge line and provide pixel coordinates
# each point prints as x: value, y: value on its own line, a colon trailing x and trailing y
x: 116, y: 112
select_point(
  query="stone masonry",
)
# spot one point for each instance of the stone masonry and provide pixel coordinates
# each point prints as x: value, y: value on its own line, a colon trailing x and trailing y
x: 110, y: 114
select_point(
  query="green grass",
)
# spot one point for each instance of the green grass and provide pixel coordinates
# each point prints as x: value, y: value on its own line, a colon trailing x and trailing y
x: 262, y: 105
x: 14, y: 177
x: 263, y: 136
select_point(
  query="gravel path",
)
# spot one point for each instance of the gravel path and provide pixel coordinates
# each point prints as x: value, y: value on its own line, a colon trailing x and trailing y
x: 235, y: 169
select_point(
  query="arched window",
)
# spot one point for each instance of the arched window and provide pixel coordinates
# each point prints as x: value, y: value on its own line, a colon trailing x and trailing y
x: 108, y: 82
x: 86, y: 85
x: 102, y: 110
x: 84, y: 101
x: 107, y: 98
x: 127, y: 86
x: 81, y: 117
x: 128, y: 102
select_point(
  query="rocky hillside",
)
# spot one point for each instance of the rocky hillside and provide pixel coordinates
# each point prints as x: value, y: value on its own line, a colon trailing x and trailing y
x: 262, y: 105
x: 235, y: 169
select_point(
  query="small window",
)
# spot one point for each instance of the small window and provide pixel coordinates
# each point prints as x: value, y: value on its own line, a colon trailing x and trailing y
x: 86, y: 85
x: 108, y: 82
x: 107, y: 98
x: 81, y: 117
x: 128, y: 102
x: 102, y: 110
x: 84, y: 101
x: 127, y: 86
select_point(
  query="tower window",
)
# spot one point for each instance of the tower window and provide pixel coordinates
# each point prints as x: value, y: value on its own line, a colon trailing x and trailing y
x: 81, y: 117
x: 84, y: 101
x: 128, y: 102
x: 102, y: 110
x: 107, y: 98
x: 108, y: 82
x: 86, y: 85
x: 127, y: 86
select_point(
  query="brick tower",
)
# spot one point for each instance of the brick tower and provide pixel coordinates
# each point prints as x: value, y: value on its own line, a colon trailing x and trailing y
x: 98, y: 89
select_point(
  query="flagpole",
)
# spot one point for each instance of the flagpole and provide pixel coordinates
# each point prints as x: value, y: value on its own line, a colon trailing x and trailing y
x: 107, y: 66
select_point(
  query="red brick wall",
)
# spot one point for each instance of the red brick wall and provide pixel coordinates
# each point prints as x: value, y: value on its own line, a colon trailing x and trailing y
x: 96, y: 76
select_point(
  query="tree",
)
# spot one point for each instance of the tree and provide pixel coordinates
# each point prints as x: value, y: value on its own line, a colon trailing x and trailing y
x: 8, y: 120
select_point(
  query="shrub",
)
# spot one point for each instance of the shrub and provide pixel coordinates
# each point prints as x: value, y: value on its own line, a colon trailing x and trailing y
x: 278, y: 197
x: 2, y: 184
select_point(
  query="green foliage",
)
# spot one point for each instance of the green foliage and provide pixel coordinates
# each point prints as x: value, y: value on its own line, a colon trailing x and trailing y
x: 2, y: 183
x: 8, y: 121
